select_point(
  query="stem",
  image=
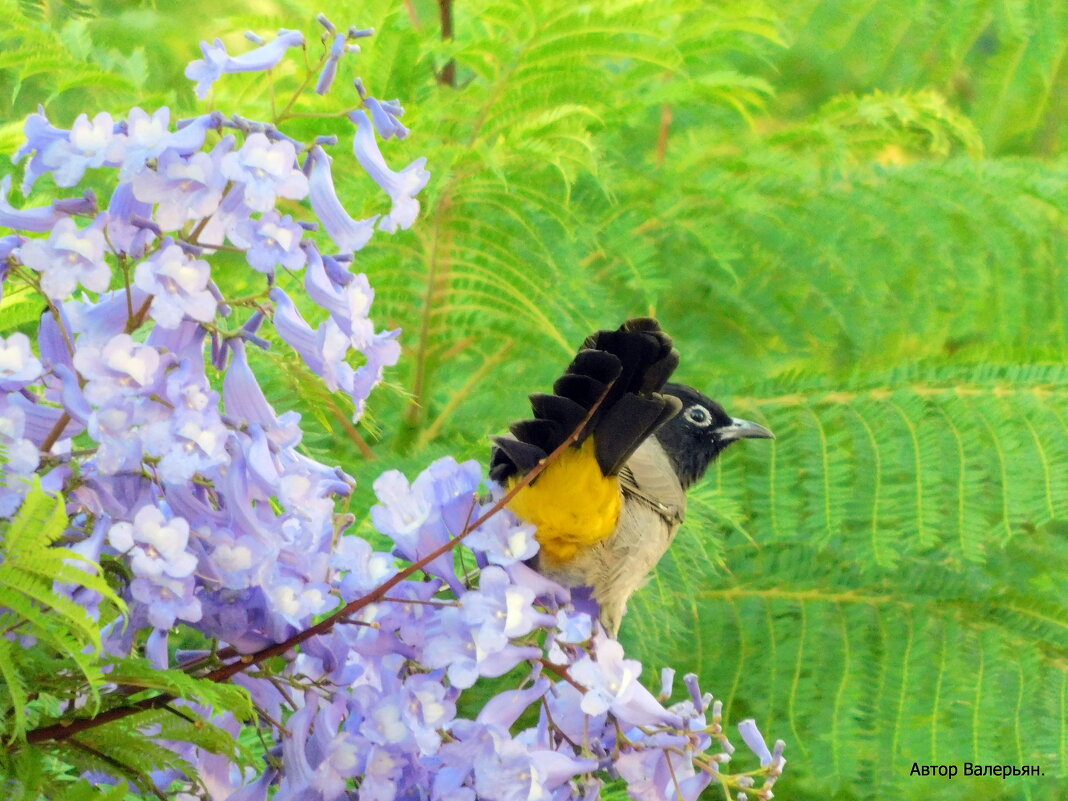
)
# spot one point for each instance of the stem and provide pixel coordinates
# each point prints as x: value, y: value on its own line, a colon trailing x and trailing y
x: 437, y: 275
x: 68, y: 728
x: 353, y: 432
x: 448, y: 72
x: 413, y: 15
x: 133, y: 323
x: 55, y: 433
x: 562, y: 673
x: 662, y: 136
x: 309, y: 74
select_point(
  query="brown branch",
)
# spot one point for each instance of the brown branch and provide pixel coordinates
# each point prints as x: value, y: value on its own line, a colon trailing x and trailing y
x: 55, y: 433
x: 133, y: 323
x: 66, y: 729
x: 562, y: 673
x: 448, y: 72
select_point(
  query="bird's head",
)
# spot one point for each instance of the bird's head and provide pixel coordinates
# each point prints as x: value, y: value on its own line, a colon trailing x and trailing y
x: 695, y: 436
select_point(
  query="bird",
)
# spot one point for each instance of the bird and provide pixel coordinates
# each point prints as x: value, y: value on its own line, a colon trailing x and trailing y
x: 608, y: 506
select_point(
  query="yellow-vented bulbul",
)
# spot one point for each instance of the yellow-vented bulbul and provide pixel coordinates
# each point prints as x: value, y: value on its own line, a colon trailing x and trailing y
x: 608, y: 507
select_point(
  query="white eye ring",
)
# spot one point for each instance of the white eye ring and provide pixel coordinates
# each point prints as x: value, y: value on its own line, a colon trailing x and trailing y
x: 698, y: 415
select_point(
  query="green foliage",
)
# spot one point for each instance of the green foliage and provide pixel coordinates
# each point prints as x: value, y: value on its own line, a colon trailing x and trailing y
x: 852, y: 218
x: 32, y: 608
x: 911, y: 525
x: 51, y: 658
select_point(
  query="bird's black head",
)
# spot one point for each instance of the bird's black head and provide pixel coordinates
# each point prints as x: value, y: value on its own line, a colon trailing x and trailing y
x: 695, y: 436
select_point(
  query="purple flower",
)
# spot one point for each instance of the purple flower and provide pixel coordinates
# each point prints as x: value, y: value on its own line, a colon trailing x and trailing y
x: 384, y: 116
x: 186, y: 445
x: 574, y: 627
x: 270, y: 241
x: 234, y: 560
x: 69, y: 257
x: 516, y: 772
x: 451, y: 644
x: 18, y: 366
x: 653, y: 774
x: 128, y: 228
x: 121, y: 367
x: 156, y: 545
x: 167, y: 600
x: 148, y: 136
x: 244, y: 400
x: 341, y: 762
x: 40, y: 135
x: 41, y: 218
x: 89, y: 144
x: 611, y: 684
x: 348, y: 303
x: 348, y: 234
x: 755, y: 740
x: 217, y: 61
x: 503, y: 539
x: 265, y: 170
x: 178, y: 284
x: 326, y: 77
x: 402, y: 509
x: 297, y: 600
x: 21, y: 458
x: 186, y: 188
x: 365, y: 568
x: 402, y: 187
x: 500, y: 610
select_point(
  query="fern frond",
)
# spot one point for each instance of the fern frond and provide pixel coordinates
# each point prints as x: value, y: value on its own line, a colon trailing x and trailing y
x: 907, y: 523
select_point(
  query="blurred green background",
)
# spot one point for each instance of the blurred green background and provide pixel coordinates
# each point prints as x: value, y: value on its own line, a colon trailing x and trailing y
x: 850, y: 215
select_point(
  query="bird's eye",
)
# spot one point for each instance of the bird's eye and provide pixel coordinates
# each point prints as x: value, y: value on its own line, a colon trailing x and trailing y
x: 698, y: 415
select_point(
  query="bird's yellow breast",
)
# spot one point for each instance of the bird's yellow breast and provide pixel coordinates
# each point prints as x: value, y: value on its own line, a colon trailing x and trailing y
x: 573, y: 504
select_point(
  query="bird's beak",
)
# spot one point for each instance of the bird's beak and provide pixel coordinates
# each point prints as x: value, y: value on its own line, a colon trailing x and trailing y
x: 743, y: 429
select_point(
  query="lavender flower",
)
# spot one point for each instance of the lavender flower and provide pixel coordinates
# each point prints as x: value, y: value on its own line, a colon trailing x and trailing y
x: 121, y: 367
x: 21, y: 458
x: 89, y: 145
x: 128, y: 228
x: 326, y: 77
x: 217, y: 61
x: 270, y: 241
x: 348, y: 234
x: 755, y: 740
x: 41, y: 218
x: 18, y: 366
x: 385, y: 118
x: 157, y: 545
x: 186, y: 188
x: 177, y: 283
x: 402, y: 187
x: 265, y: 170
x: 167, y: 600
x: 148, y: 136
x: 40, y: 136
x: 68, y: 258
x: 612, y: 685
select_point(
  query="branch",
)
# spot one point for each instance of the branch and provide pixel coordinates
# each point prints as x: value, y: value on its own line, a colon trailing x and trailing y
x: 66, y: 729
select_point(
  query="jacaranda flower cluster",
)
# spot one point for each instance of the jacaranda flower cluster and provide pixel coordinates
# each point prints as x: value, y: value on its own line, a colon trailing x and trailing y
x: 138, y: 403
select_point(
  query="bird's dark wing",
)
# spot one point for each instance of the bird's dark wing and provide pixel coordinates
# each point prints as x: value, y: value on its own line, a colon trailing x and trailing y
x: 628, y: 367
